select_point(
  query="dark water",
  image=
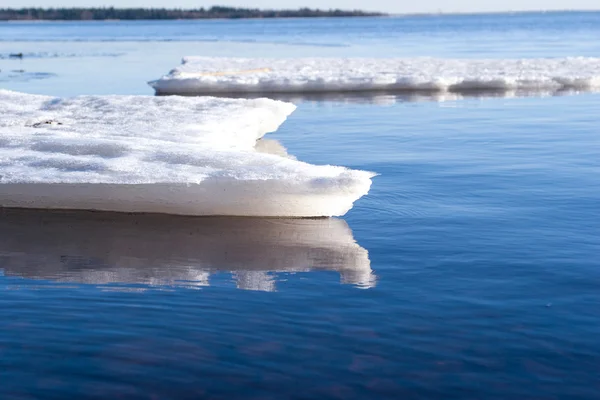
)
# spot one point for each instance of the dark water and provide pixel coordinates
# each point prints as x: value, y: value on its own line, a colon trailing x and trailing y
x: 471, y: 269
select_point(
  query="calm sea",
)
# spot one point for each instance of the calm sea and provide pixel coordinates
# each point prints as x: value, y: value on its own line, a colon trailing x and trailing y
x: 471, y: 270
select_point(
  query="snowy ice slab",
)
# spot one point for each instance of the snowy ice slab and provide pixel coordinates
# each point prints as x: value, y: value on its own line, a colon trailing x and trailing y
x: 201, y: 75
x: 191, y: 156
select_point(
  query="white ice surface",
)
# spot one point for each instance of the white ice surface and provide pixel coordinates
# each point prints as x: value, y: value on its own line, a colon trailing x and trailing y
x: 192, y: 156
x: 199, y: 75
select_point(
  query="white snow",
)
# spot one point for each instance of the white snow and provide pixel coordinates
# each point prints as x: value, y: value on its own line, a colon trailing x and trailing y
x: 159, y: 250
x: 177, y: 155
x: 202, y: 75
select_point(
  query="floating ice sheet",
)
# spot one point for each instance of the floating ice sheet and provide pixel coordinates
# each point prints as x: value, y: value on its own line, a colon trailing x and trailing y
x: 202, y: 75
x: 18, y: 75
x: 193, y: 156
x: 158, y: 250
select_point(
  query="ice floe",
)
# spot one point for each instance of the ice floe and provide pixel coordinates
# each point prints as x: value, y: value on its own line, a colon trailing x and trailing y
x: 205, y: 75
x: 18, y: 75
x: 176, y: 155
x: 162, y: 250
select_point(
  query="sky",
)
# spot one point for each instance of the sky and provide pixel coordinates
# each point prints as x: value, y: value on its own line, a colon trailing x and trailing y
x: 390, y: 6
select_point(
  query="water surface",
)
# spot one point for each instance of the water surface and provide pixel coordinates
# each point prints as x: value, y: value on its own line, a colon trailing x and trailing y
x: 469, y: 271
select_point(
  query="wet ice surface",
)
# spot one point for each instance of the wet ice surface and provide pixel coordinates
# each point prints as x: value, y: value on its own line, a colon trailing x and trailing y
x: 175, y: 155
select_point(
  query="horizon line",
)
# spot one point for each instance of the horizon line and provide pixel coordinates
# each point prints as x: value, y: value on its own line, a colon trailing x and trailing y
x: 381, y: 13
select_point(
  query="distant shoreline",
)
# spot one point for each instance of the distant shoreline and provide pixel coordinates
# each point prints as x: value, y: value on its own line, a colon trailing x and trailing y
x: 132, y: 14
x: 50, y: 15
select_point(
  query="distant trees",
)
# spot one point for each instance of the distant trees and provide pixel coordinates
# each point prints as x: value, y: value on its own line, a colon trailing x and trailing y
x: 76, y: 14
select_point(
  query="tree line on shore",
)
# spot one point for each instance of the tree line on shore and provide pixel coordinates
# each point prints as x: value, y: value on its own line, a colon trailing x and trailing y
x: 111, y: 13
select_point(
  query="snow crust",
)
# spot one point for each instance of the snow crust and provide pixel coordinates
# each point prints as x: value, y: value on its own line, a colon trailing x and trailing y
x: 202, y: 75
x: 163, y: 250
x: 193, y: 156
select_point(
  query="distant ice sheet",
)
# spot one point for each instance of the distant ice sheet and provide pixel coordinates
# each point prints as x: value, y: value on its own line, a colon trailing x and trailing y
x: 162, y: 250
x: 19, y: 75
x: 55, y: 54
x: 202, y: 75
x: 192, y: 156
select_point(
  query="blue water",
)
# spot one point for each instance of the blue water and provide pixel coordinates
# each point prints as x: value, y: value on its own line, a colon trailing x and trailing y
x: 482, y: 279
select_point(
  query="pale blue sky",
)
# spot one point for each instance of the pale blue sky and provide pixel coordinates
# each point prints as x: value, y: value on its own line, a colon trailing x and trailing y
x: 392, y: 6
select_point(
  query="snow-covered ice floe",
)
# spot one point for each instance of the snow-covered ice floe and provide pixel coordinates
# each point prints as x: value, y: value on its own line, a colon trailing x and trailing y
x: 204, y: 75
x: 164, y: 250
x: 176, y: 155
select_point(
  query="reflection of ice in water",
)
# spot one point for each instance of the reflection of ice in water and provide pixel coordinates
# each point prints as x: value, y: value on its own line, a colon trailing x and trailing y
x: 255, y: 280
x: 386, y: 98
x: 362, y: 278
x: 161, y: 250
x: 95, y: 271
